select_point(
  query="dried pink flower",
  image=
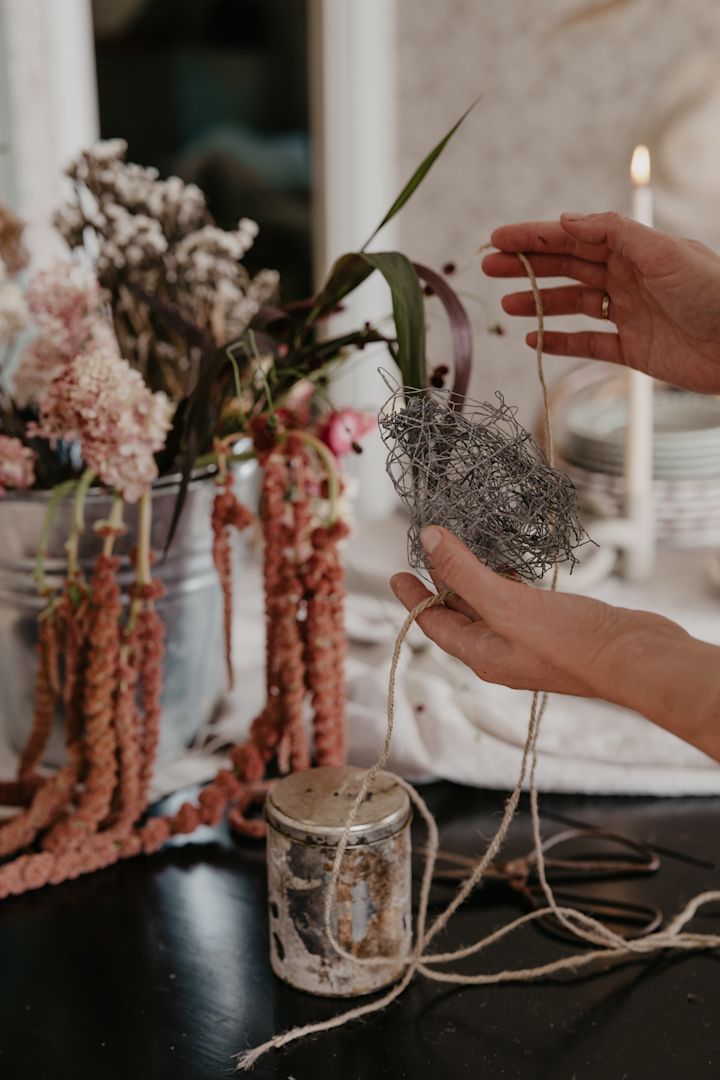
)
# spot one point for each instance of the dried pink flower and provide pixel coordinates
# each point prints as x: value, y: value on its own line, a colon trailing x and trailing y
x: 64, y: 300
x: 101, y: 402
x: 17, y: 464
x: 45, y: 358
x: 343, y: 429
x: 41, y: 362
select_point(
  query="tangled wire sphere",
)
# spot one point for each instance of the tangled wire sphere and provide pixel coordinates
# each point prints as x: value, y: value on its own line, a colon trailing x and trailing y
x: 479, y: 473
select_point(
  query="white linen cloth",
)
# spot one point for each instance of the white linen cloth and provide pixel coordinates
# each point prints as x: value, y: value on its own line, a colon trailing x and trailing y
x: 451, y: 725
x: 448, y: 723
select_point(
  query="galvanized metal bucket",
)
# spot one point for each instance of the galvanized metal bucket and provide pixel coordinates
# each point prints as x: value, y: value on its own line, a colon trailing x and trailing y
x: 191, y: 607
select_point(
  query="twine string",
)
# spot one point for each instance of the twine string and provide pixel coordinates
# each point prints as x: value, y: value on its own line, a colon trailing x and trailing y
x: 610, y: 945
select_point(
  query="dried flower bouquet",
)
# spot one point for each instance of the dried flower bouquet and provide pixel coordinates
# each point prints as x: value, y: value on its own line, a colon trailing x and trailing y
x: 151, y: 352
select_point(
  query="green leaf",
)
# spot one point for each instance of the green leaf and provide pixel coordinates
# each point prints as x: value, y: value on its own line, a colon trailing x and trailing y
x: 331, y: 346
x: 196, y: 429
x: 351, y: 270
x: 408, y: 312
x: 419, y: 175
x: 346, y: 274
x: 407, y: 300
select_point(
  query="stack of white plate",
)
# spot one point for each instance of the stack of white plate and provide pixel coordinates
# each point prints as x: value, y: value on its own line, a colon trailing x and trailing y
x: 686, y: 457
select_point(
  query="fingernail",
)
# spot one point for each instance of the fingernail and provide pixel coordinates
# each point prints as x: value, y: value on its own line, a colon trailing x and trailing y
x: 430, y: 538
x: 571, y: 216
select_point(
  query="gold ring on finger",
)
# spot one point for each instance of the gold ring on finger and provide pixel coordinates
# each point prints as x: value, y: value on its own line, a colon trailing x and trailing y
x: 605, y: 307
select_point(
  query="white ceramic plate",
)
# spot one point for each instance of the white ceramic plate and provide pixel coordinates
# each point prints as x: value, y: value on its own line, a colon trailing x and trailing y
x: 687, y: 514
x: 680, y: 418
x: 678, y: 472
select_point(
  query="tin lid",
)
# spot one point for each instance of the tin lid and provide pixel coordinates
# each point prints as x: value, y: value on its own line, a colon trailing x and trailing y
x: 313, y: 806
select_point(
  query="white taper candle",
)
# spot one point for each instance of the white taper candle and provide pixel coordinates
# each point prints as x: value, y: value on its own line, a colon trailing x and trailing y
x: 640, y: 556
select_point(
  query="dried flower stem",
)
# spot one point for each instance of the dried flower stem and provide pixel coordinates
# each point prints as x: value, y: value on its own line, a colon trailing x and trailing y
x: 255, y: 352
x: 150, y: 646
x: 143, y: 539
x: 113, y: 526
x: 78, y: 524
x: 227, y: 513
x: 54, y: 501
x: 142, y: 558
x: 236, y: 370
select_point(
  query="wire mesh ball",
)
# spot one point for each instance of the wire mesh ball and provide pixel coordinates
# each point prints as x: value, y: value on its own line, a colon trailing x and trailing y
x: 481, y: 475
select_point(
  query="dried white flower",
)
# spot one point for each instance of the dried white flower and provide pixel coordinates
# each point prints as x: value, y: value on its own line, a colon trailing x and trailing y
x: 14, y: 314
x: 155, y: 238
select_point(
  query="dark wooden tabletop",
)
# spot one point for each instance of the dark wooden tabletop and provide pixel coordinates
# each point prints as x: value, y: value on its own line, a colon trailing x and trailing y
x: 158, y: 968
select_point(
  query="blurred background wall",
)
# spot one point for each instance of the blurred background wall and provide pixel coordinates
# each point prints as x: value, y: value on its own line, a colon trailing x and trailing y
x: 564, y: 103
x: 222, y: 92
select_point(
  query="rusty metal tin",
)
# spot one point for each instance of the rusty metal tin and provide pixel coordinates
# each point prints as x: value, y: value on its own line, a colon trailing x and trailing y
x: 306, y: 815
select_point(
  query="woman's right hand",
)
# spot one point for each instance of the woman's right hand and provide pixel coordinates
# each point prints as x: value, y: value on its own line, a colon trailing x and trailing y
x: 664, y: 293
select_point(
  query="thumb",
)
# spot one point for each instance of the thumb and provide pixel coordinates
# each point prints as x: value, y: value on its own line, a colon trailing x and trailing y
x: 610, y: 229
x: 455, y: 565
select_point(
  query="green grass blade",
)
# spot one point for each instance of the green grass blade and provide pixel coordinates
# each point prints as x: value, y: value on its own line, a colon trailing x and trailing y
x: 419, y: 175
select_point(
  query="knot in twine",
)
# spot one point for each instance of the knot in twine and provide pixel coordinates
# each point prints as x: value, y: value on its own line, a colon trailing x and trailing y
x: 609, y: 946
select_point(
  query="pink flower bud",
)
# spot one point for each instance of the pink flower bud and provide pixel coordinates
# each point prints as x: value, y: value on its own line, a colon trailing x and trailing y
x: 345, y: 427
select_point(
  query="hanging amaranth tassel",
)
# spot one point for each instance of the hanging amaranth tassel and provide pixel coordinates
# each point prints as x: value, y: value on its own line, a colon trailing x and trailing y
x: 326, y: 643
x: 227, y: 513
x: 89, y: 814
x: 305, y: 637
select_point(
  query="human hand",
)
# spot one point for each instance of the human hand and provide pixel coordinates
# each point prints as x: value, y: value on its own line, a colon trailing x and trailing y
x: 509, y: 633
x: 531, y: 639
x: 664, y: 293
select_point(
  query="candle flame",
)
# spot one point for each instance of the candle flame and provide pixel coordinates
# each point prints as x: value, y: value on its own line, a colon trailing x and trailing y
x: 640, y: 166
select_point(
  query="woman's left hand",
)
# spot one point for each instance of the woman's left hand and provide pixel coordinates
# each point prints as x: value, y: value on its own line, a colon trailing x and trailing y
x: 509, y: 633
x: 534, y: 639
